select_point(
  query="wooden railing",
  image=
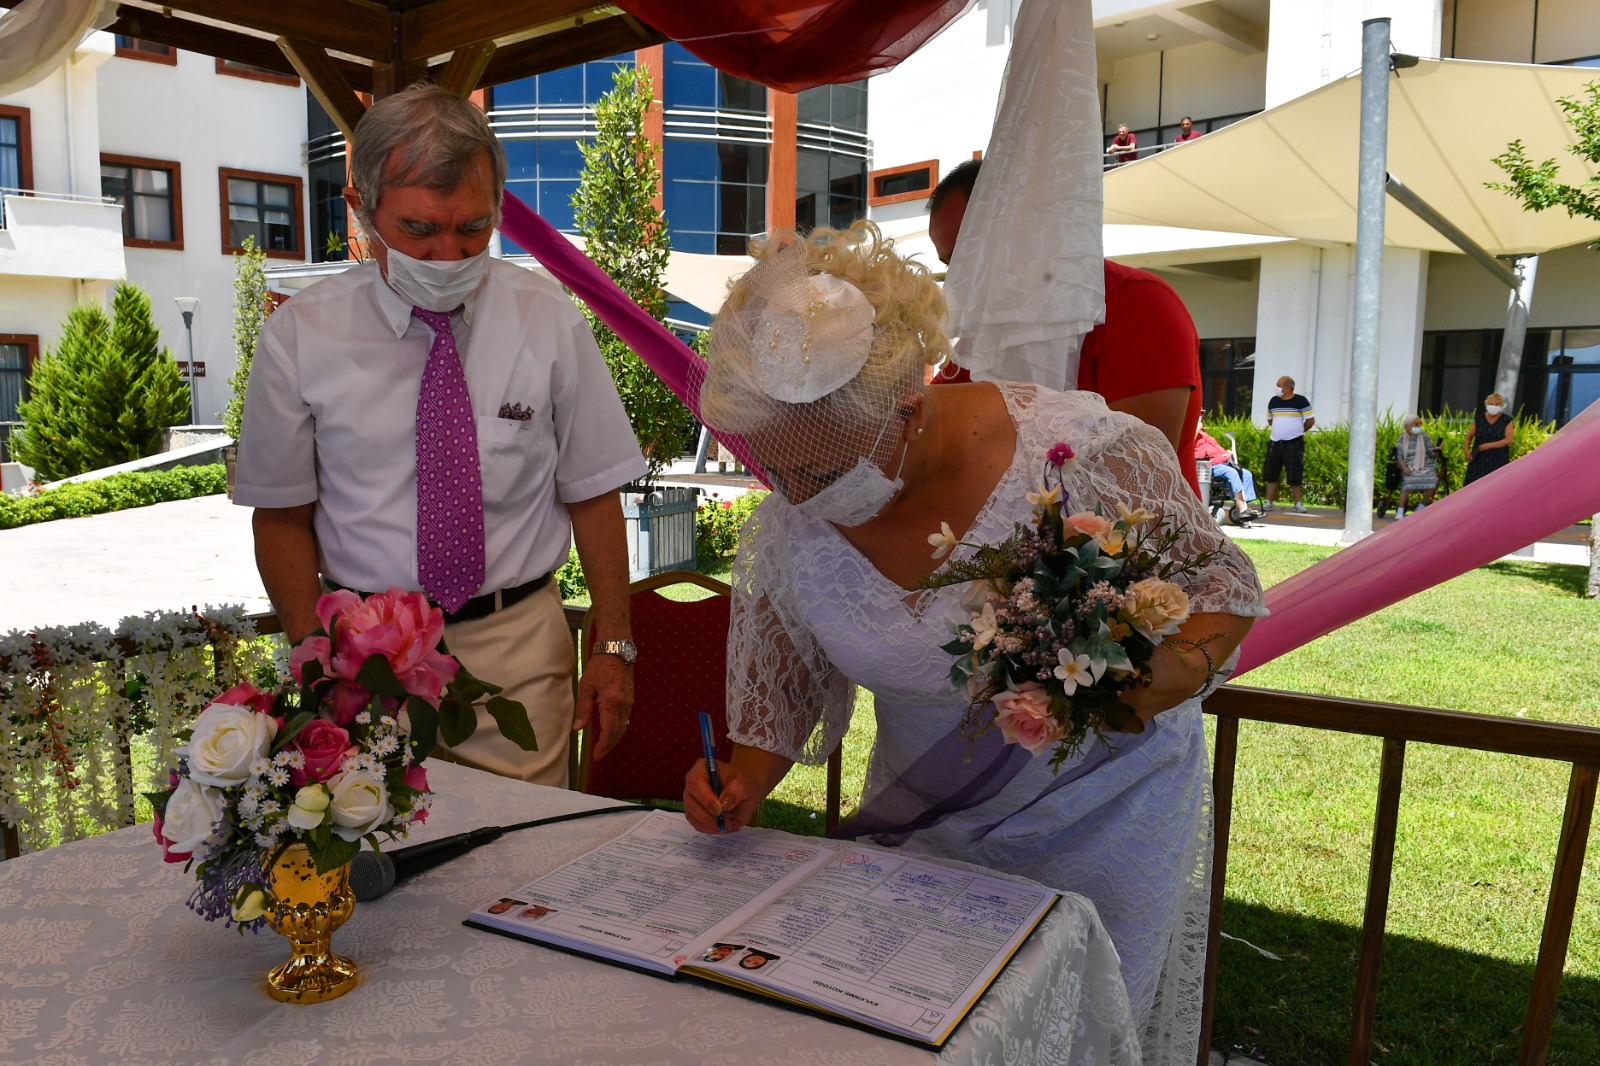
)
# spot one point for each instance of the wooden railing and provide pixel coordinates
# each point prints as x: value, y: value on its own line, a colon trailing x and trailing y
x: 1396, y: 726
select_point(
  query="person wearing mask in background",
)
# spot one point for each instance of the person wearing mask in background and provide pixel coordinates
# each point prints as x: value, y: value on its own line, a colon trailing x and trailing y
x: 1289, y: 416
x: 1143, y: 358
x: 1489, y: 440
x: 1224, y: 466
x: 441, y: 420
x: 1414, y: 451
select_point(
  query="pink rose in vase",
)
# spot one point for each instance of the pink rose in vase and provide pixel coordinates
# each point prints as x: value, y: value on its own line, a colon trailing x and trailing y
x: 324, y: 747
x: 1023, y: 715
x: 245, y: 694
x: 401, y: 626
x: 417, y: 778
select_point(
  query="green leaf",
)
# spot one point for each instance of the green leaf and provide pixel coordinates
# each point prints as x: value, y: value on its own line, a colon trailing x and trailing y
x: 376, y: 675
x: 424, y: 726
x: 334, y: 853
x: 291, y: 729
x: 457, y: 720
x: 512, y: 718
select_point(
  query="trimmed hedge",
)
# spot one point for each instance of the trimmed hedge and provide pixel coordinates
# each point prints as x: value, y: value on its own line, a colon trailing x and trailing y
x: 1328, y: 450
x: 115, y: 493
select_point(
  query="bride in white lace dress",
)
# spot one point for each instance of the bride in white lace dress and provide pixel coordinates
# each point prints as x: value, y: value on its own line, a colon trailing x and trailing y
x: 818, y: 360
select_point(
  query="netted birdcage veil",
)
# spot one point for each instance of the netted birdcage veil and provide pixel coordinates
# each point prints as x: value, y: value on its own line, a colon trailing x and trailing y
x: 813, y: 366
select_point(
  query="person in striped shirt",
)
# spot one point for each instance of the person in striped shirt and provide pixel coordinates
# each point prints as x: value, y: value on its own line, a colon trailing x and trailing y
x: 1289, y: 416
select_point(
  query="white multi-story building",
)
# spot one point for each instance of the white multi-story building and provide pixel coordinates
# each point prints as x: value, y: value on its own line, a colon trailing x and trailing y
x: 139, y: 162
x: 1283, y: 306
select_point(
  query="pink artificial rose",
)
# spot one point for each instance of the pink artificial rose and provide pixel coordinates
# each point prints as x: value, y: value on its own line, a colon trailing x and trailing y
x: 246, y: 695
x: 401, y: 626
x: 324, y: 746
x: 348, y: 700
x: 1023, y: 715
x: 417, y: 778
x: 309, y: 648
x: 167, y: 854
x: 1089, y: 523
x: 1060, y: 454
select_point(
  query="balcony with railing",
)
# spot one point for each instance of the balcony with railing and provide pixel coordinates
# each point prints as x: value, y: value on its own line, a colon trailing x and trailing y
x: 60, y: 235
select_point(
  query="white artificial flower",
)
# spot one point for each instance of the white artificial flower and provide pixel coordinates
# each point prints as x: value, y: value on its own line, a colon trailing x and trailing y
x: 191, y: 818
x: 310, y: 806
x: 225, y: 742
x: 984, y: 627
x: 1045, y: 495
x: 943, y: 542
x: 1077, y: 671
x: 360, y: 803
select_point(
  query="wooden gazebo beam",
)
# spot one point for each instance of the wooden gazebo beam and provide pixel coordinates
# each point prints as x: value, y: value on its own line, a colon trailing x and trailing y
x: 356, y: 27
x: 326, y: 82
x: 441, y: 26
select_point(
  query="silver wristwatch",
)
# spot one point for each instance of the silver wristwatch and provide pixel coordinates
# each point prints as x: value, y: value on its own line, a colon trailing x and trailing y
x: 622, y: 649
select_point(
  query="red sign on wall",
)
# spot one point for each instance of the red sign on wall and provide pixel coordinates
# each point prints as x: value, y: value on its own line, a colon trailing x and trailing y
x: 199, y: 369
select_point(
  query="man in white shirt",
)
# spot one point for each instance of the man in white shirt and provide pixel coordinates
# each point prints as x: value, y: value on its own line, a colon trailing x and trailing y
x: 337, y: 425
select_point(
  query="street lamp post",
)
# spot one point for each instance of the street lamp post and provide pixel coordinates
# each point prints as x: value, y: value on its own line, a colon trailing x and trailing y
x: 187, y: 305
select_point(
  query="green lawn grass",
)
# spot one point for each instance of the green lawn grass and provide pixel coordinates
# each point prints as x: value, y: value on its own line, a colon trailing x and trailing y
x: 1476, y: 840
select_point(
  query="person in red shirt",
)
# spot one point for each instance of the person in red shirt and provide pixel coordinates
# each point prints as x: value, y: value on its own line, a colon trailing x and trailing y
x: 1187, y: 132
x: 1224, y: 466
x: 1144, y: 359
x: 1124, y: 147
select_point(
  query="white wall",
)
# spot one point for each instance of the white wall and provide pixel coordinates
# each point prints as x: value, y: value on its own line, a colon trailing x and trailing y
x: 1312, y: 42
x: 1220, y: 307
x: 1462, y: 295
x: 190, y: 114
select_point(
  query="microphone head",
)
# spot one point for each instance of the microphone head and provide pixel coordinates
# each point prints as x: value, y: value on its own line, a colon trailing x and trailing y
x: 371, y: 875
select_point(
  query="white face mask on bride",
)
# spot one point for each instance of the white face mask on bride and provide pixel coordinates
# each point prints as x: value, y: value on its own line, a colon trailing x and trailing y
x: 860, y: 494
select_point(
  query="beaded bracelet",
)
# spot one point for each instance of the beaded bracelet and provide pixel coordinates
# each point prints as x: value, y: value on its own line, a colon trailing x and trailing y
x: 1211, y: 668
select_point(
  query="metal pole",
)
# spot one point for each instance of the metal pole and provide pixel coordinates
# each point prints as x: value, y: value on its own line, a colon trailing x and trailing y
x: 703, y: 450
x: 1425, y: 211
x: 1505, y: 378
x: 1369, y: 278
x: 194, y: 401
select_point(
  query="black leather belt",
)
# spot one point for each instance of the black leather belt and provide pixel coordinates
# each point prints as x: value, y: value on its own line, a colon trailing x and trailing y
x: 477, y: 607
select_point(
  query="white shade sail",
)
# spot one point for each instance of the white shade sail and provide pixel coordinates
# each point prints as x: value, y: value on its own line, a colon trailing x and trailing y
x: 1291, y: 171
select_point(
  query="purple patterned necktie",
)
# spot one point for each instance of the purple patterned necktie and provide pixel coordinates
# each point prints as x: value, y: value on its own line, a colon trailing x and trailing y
x: 450, y: 553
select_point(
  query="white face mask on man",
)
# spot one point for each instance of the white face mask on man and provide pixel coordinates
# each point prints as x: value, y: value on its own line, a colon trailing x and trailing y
x: 433, y: 284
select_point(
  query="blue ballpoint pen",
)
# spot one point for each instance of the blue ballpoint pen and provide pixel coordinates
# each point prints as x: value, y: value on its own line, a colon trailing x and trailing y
x: 709, y: 742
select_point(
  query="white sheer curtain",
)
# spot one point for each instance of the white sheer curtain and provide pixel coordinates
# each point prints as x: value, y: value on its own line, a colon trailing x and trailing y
x: 37, y: 36
x: 1027, y: 281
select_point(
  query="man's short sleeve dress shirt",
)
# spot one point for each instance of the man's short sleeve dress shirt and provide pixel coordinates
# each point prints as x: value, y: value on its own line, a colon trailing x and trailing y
x: 330, y: 418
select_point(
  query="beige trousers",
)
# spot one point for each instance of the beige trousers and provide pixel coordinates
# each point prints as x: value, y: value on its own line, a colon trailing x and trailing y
x: 527, y: 650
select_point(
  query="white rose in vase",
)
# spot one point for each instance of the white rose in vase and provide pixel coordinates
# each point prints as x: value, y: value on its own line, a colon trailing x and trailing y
x: 190, y: 822
x: 226, y: 739
x: 359, y: 802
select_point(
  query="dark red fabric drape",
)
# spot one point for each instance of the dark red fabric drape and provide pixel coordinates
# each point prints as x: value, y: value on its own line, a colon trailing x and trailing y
x: 797, y: 44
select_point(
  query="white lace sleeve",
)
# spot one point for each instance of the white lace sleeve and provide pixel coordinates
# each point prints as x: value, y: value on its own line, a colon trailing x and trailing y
x: 784, y: 695
x: 1123, y: 460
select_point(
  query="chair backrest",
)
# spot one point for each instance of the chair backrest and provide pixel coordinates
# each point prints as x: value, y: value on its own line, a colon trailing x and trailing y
x: 682, y: 670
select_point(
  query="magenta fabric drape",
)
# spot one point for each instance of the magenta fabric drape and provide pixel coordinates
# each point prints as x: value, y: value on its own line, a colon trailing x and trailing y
x: 797, y: 44
x: 673, y: 361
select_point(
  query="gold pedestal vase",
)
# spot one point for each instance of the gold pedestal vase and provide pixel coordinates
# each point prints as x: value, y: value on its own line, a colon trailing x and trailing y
x: 307, y: 907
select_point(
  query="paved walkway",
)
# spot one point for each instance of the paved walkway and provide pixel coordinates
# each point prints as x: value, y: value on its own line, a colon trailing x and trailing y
x: 174, y: 556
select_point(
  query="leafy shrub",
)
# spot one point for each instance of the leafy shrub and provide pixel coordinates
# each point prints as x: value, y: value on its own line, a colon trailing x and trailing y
x: 103, y: 395
x: 1328, y: 450
x: 717, y: 523
x: 115, y: 493
x: 570, y: 579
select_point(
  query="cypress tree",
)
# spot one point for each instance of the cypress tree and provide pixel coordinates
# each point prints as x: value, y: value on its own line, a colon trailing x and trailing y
x: 59, y: 388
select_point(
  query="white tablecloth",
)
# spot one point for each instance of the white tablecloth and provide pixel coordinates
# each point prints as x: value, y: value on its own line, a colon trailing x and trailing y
x: 101, y: 962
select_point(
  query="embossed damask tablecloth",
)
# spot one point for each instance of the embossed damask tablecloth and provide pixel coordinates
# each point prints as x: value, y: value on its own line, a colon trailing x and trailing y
x: 101, y: 962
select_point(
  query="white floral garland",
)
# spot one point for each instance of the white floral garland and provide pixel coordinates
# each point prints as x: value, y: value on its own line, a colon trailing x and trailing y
x: 74, y: 698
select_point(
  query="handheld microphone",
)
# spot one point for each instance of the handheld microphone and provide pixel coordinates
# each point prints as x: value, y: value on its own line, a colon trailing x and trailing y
x: 372, y: 874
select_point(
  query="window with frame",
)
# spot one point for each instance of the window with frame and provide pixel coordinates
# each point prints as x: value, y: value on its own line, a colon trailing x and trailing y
x: 16, y: 154
x: 149, y: 191
x: 17, y: 354
x: 254, y: 73
x: 1227, y: 375
x: 149, y: 51
x: 893, y: 185
x: 263, y: 206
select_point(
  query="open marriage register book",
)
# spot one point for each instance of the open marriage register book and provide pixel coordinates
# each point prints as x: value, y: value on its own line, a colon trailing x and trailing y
x: 895, y: 942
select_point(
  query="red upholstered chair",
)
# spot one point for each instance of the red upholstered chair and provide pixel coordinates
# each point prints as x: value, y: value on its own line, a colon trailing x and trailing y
x: 682, y: 670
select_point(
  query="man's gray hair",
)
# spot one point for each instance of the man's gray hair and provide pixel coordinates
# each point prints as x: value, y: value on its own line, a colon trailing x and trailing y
x: 437, y: 133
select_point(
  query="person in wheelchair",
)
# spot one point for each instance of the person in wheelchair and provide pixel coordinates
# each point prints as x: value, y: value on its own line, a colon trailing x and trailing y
x: 1226, y: 471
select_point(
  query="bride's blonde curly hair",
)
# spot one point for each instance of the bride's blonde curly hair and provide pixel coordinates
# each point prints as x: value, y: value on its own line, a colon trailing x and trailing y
x: 907, y: 331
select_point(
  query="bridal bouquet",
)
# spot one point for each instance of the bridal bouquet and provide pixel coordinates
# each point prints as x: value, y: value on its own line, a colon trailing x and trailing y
x: 325, y: 760
x: 1064, y: 616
